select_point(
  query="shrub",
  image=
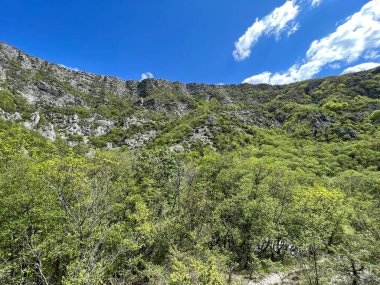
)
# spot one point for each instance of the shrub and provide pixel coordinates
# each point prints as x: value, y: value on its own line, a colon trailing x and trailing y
x: 335, y: 106
x: 375, y: 116
x: 6, y: 102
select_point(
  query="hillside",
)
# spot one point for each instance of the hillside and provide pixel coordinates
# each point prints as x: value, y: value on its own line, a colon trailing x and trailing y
x: 102, y: 110
x: 107, y: 181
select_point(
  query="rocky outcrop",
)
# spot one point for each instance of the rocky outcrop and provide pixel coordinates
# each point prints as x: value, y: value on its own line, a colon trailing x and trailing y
x: 3, y: 75
x: 49, y: 132
x: 10, y: 116
x: 33, y: 122
x: 202, y: 135
x: 177, y: 148
x: 140, y: 139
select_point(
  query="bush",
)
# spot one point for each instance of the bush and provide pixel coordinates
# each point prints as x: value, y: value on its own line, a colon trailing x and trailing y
x: 335, y: 106
x: 6, y: 102
x: 375, y: 117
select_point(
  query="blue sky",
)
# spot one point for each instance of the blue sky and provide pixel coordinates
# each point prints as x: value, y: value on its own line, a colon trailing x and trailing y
x: 194, y: 40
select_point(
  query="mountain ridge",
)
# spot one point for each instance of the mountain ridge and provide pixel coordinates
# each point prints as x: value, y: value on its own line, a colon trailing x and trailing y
x: 3, y: 44
x: 85, y: 107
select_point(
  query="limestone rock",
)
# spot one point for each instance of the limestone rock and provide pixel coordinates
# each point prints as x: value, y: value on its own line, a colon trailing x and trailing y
x: 3, y: 75
x: 34, y: 120
x: 177, y: 148
x: 140, y: 139
x: 48, y: 132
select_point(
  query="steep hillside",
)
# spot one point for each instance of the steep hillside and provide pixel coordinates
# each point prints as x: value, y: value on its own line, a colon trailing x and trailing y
x: 107, y: 111
x: 112, y: 182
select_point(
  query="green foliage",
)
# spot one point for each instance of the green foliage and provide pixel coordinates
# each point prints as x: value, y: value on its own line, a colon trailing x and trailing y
x: 375, y: 116
x: 6, y: 102
x: 201, y: 217
x: 189, y: 270
x: 335, y: 106
x: 12, y: 103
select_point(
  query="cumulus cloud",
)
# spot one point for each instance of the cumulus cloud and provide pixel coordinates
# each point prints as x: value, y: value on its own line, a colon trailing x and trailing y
x: 353, y: 39
x: 372, y: 54
x: 146, y: 75
x: 259, y: 78
x: 279, y: 20
x: 361, y: 67
x: 315, y: 3
x: 335, y: 65
x: 68, y: 67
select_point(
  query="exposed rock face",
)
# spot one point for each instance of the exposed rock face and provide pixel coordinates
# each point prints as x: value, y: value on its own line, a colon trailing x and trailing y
x: 134, y: 121
x: 3, y: 76
x: 48, y: 132
x: 104, y: 127
x: 140, y: 139
x: 321, y: 122
x: 34, y: 120
x: 177, y: 148
x: 82, y: 106
x: 10, y: 117
x: 203, y: 135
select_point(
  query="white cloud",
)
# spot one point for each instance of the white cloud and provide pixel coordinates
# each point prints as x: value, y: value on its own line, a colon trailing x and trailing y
x: 69, y: 68
x: 259, y: 78
x: 361, y: 67
x: 293, y: 29
x: 316, y: 3
x: 353, y: 39
x: 335, y: 65
x: 372, y: 54
x: 279, y: 20
x: 146, y: 75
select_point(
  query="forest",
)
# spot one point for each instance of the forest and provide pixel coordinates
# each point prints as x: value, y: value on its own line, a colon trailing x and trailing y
x: 154, y: 216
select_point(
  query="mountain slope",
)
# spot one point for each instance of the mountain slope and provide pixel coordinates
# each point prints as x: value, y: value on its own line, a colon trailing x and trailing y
x: 107, y: 111
x: 156, y: 182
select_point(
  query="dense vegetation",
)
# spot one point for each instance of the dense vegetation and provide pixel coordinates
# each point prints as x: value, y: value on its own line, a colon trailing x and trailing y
x: 81, y: 216
x: 261, y: 179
